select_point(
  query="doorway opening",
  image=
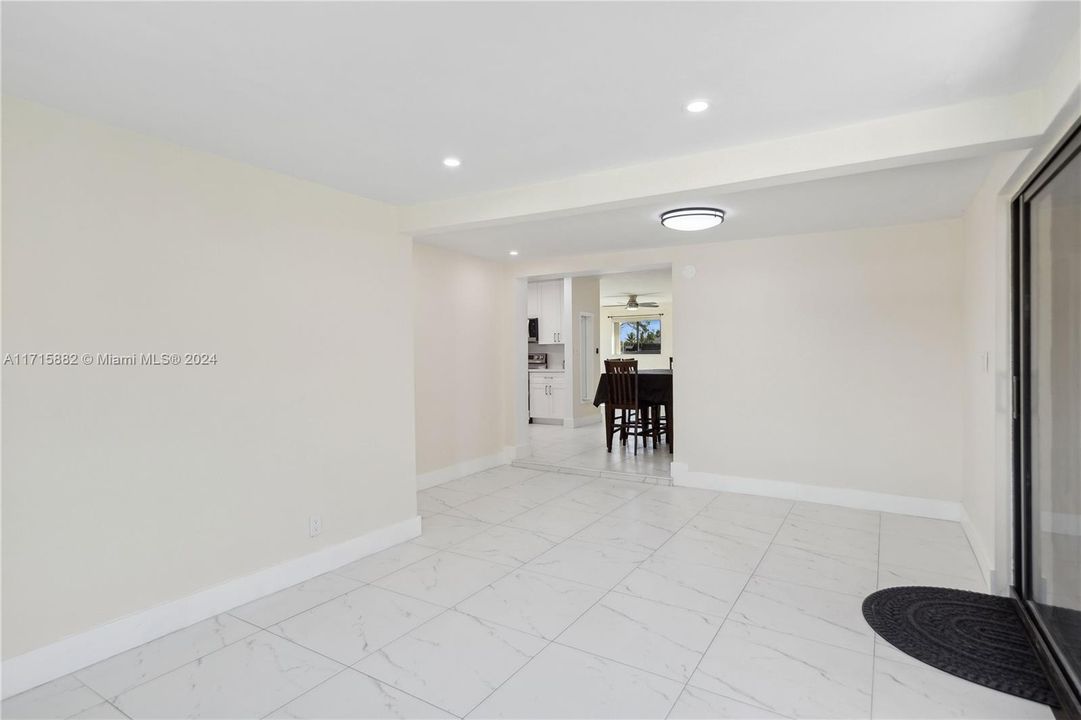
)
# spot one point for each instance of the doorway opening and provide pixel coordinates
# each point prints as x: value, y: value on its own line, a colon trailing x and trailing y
x: 576, y: 323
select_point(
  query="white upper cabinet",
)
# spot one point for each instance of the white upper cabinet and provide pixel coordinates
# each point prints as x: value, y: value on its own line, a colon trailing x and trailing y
x: 549, y: 311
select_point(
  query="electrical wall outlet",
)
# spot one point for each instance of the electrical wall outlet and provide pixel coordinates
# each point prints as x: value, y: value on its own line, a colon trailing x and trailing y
x: 315, y: 525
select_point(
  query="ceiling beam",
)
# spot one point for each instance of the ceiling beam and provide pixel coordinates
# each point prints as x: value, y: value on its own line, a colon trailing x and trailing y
x: 964, y: 130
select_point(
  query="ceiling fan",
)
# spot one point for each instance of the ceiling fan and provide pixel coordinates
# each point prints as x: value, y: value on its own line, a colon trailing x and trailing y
x: 633, y: 304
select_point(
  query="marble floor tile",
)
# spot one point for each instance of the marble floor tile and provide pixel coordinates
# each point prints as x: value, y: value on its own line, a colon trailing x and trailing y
x: 822, y: 615
x: 350, y: 627
x: 103, y: 711
x: 505, y: 545
x: 662, y: 639
x: 351, y: 694
x: 655, y: 513
x: 923, y: 529
x: 440, y: 499
x: 61, y: 698
x: 491, y: 509
x: 852, y: 518
x: 786, y: 674
x: 738, y: 524
x: 752, y: 504
x: 541, y: 605
x: 885, y: 651
x: 591, y: 501
x: 625, y: 533
x: 618, y: 488
x: 444, y: 579
x: 897, y: 576
x: 709, y: 548
x: 702, y: 588
x: 489, y: 481
x: 831, y: 539
x: 296, y: 599
x: 683, y: 497
x: 442, y: 531
x: 554, y: 521
x: 696, y: 704
x: 453, y: 661
x: 592, y: 564
x: 946, y: 558
x: 122, y: 672
x: 904, y: 690
x: 820, y: 570
x: 385, y: 562
x: 249, y: 678
x: 564, y: 683
x: 538, y: 490
x: 754, y: 529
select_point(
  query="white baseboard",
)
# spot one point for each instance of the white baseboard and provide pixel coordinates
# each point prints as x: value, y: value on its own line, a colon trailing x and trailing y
x: 682, y: 476
x: 468, y: 467
x: 77, y: 651
x: 979, y: 548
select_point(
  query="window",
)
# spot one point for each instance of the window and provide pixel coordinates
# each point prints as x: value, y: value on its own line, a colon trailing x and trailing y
x: 639, y: 337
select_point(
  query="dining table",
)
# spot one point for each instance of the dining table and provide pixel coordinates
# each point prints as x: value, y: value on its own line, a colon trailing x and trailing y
x: 654, y: 389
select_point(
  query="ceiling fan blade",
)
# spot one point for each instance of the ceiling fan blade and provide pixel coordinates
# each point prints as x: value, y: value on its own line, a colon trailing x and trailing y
x: 641, y: 304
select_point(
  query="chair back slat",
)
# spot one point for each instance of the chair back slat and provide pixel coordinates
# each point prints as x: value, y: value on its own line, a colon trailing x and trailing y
x: 622, y: 383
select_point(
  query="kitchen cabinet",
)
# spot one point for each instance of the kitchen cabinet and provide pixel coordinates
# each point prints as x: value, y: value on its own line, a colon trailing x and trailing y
x: 547, y: 396
x: 545, y: 301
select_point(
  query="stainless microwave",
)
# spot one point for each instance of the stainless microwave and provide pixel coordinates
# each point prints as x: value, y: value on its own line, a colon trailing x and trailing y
x: 534, y: 329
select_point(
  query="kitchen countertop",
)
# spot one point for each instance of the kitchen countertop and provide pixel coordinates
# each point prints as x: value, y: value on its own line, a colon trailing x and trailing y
x: 550, y: 370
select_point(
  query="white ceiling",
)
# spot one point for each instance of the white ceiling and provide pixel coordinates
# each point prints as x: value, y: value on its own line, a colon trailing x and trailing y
x: 917, y: 193
x: 369, y: 97
x: 649, y: 285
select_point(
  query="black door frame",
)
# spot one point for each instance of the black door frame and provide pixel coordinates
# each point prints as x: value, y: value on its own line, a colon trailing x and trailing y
x: 1066, y: 684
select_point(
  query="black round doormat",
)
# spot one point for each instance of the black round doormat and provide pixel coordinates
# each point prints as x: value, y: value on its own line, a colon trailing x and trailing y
x: 977, y: 637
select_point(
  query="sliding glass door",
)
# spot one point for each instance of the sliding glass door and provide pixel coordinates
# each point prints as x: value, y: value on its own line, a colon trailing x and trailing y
x: 1047, y: 217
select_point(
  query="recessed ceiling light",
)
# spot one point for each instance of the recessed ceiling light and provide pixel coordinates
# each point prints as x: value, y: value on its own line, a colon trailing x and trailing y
x: 697, y: 106
x: 452, y: 162
x: 513, y: 252
x: 690, y: 219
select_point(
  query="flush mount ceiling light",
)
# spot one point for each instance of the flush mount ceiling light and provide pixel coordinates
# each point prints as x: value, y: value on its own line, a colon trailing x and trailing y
x: 697, y: 106
x: 513, y: 252
x: 452, y: 162
x: 690, y: 219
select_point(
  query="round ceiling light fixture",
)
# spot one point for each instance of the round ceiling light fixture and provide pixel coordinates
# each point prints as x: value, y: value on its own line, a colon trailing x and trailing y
x: 452, y: 162
x: 513, y: 252
x: 691, y: 219
x: 697, y: 106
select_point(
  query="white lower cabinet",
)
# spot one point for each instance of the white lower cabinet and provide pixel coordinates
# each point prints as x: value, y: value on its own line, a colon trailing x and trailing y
x: 547, y: 396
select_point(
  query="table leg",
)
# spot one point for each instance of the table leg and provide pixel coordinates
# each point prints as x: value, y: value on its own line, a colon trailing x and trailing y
x: 609, y: 422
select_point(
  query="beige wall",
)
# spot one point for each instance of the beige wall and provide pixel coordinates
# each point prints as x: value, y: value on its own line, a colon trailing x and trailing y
x: 126, y: 487
x: 832, y: 359
x: 585, y: 298
x: 459, y: 315
x: 610, y: 349
x: 987, y: 383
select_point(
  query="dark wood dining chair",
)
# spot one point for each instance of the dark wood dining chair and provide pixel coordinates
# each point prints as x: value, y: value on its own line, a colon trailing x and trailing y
x: 623, y: 397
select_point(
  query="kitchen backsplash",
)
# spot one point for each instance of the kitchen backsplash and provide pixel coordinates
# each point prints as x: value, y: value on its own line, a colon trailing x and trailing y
x: 555, y: 354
